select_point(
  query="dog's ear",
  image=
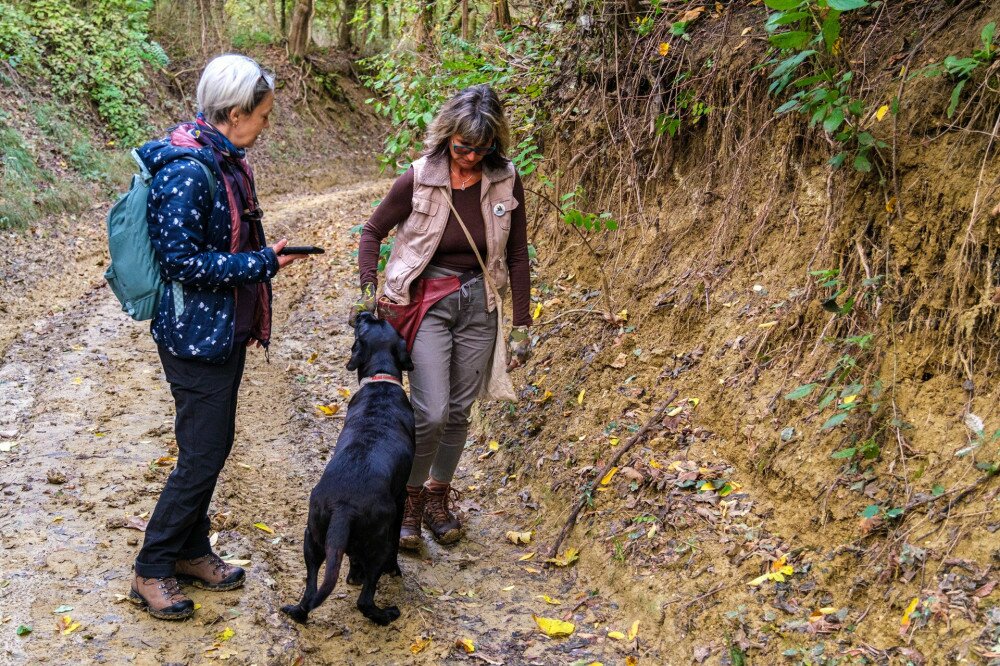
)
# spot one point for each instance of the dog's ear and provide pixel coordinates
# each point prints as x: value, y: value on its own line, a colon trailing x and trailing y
x: 402, y: 356
x: 359, y: 354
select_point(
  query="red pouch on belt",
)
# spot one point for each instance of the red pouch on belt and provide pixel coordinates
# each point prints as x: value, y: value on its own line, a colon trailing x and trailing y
x: 406, y: 318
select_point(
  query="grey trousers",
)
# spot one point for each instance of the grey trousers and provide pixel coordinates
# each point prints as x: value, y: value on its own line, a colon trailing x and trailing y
x: 452, y: 350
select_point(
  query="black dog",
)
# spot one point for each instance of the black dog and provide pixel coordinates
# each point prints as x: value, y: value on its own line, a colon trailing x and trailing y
x: 357, y: 507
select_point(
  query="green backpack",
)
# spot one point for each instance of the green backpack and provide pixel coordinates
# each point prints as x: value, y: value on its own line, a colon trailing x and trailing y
x: 134, y: 272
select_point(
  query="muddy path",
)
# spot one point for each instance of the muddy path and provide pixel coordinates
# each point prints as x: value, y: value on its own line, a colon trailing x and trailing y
x: 86, y: 443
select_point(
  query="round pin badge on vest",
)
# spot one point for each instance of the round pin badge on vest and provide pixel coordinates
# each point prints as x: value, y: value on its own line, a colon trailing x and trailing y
x: 499, y: 210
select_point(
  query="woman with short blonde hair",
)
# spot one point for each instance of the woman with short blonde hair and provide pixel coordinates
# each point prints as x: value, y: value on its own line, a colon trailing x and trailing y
x: 205, y: 226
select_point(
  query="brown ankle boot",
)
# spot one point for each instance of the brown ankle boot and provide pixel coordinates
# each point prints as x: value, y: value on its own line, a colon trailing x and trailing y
x: 161, y: 597
x: 210, y: 572
x: 409, y: 533
x: 438, y: 516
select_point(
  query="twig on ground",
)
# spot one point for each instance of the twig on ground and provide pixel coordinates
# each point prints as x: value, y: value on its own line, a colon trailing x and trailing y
x: 635, y: 439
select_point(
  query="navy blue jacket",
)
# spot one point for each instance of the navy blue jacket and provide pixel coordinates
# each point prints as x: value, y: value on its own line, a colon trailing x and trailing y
x: 192, y: 239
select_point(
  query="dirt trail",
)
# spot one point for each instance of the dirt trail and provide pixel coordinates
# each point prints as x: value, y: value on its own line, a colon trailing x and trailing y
x: 85, y: 446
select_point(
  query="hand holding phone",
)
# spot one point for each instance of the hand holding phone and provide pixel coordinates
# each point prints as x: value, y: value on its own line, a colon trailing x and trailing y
x: 300, y: 249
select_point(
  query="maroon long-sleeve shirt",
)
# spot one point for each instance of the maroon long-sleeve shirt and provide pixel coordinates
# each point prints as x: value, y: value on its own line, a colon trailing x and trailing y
x: 453, y: 252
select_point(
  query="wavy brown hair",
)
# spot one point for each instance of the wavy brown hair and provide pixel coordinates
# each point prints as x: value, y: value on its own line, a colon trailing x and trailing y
x: 476, y: 114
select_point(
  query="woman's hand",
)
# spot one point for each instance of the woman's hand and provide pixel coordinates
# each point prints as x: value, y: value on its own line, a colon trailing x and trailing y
x: 285, y: 259
x: 519, y: 346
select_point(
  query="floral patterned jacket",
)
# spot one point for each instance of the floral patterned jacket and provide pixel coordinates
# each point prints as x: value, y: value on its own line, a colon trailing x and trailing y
x: 195, y: 241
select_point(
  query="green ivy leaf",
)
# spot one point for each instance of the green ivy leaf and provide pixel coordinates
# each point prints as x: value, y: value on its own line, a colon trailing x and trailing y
x: 847, y: 5
x: 870, y: 511
x: 844, y: 453
x: 800, y: 392
x: 834, y: 421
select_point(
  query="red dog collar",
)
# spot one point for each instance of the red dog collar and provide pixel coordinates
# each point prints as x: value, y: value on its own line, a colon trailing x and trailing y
x: 380, y: 378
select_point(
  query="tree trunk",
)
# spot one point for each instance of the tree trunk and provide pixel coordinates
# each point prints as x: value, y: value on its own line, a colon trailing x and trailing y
x: 385, y: 19
x: 272, y: 16
x: 284, y: 19
x: 300, y: 30
x: 346, y: 38
x: 425, y: 23
x: 465, y: 20
x: 502, y: 14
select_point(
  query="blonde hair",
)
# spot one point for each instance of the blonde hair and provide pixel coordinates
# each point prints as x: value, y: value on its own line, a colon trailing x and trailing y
x: 476, y: 114
x: 232, y: 81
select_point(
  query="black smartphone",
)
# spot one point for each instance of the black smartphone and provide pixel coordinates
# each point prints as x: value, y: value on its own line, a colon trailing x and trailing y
x: 301, y: 249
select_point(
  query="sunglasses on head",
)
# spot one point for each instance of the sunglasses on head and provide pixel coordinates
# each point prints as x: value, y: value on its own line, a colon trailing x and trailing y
x: 462, y: 149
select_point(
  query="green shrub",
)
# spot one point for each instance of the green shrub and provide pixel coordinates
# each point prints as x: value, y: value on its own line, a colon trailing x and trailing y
x: 18, y: 45
x: 410, y: 93
x: 96, y: 53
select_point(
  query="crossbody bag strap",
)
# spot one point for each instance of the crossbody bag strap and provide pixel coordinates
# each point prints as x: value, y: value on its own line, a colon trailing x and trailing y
x: 472, y: 244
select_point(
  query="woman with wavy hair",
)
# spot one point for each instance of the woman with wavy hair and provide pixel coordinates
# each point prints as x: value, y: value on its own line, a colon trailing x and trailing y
x: 463, y: 188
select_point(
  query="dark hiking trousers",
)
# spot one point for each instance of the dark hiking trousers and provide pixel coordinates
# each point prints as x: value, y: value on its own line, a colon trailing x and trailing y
x: 205, y: 424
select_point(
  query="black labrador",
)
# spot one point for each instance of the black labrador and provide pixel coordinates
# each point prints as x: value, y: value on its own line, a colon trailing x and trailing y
x: 357, y: 507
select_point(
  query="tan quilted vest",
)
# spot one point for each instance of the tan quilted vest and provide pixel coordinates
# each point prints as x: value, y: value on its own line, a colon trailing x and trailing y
x: 418, y: 236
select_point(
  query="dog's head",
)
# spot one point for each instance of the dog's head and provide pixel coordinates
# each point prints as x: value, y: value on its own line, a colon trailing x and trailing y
x: 378, y: 348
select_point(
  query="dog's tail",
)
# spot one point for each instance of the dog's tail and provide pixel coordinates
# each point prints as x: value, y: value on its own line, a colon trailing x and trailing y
x: 336, y: 543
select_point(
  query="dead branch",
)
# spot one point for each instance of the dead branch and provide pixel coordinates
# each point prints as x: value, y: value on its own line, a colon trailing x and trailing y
x: 582, y: 502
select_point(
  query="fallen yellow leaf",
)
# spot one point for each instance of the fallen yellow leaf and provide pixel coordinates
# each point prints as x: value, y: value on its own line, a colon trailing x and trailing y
x: 676, y: 410
x: 344, y: 392
x: 225, y: 634
x: 263, y: 527
x: 554, y: 628
x: 420, y: 645
x: 610, y: 475
x: 890, y: 205
x: 508, y: 588
x: 538, y: 311
x: 525, y: 558
x: 312, y: 358
x: 549, y: 600
x: 631, y: 660
x: 328, y: 410
x: 579, y: 398
x: 616, y: 635
x: 494, y: 446
x: 466, y: 645
x: 909, y: 611
x: 882, y: 110
x: 614, y: 441
x: 518, y: 538
x: 768, y: 324
x: 633, y: 631
x: 664, y: 49
x: 568, y: 557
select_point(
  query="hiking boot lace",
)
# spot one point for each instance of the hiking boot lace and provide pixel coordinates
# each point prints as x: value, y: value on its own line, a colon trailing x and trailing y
x: 442, y: 505
x: 171, y: 587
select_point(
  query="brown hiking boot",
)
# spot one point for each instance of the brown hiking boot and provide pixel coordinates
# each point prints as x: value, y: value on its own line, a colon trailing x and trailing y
x: 409, y: 533
x: 161, y: 597
x: 438, y: 516
x: 210, y: 573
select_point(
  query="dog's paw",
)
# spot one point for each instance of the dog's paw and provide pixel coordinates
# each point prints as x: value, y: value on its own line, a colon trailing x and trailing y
x: 384, y: 616
x: 296, y: 612
x: 393, y: 569
x: 354, y: 579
